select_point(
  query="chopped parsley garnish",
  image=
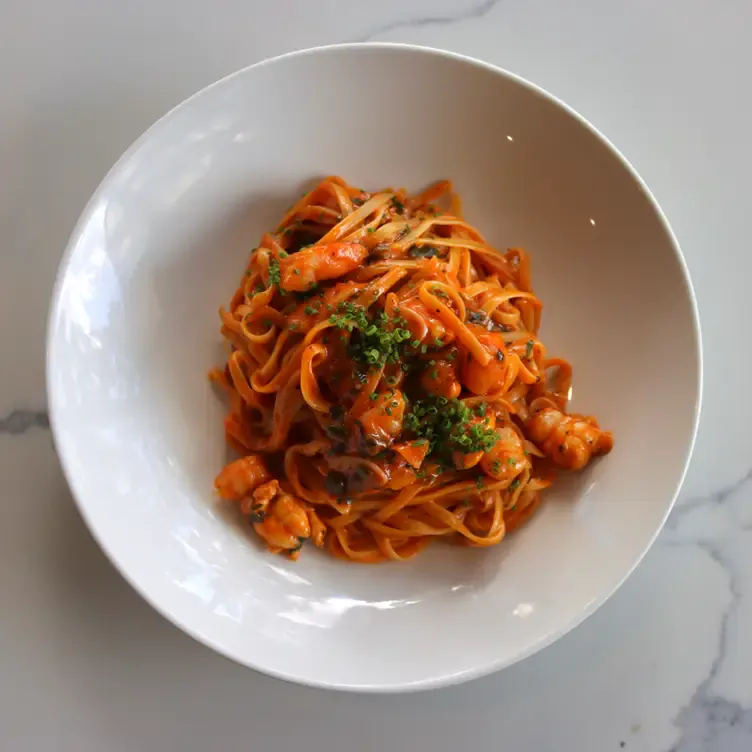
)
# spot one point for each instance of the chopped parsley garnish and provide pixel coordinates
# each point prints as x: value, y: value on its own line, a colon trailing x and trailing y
x: 514, y: 484
x: 449, y: 426
x: 349, y: 317
x: 476, y: 317
x: 274, y: 276
x: 529, y: 350
x: 423, y: 251
x: 398, y: 205
x: 378, y: 339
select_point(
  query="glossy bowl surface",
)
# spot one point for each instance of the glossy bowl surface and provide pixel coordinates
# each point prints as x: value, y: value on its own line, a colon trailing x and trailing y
x: 133, y: 331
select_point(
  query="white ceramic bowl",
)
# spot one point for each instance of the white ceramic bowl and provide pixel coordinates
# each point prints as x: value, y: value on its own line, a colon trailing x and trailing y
x: 133, y: 331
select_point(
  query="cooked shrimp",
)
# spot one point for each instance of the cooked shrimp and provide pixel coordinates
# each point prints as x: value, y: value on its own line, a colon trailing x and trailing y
x: 480, y: 379
x: 300, y: 271
x: 570, y: 440
x: 507, y: 458
x: 382, y: 421
x: 282, y: 520
x: 242, y: 476
x: 441, y: 380
x: 464, y: 461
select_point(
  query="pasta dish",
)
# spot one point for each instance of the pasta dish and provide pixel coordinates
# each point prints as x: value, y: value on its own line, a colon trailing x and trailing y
x: 386, y: 383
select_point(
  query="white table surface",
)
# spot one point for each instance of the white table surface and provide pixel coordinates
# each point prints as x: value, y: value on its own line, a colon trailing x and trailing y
x: 85, y: 665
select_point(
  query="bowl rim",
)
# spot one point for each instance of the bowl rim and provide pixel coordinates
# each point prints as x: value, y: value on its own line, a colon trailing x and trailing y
x: 438, y: 680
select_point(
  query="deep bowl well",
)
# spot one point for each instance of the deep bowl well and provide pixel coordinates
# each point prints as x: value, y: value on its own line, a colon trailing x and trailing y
x: 133, y: 331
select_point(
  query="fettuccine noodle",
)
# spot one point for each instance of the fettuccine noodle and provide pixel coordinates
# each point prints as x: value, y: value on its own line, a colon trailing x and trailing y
x: 386, y: 382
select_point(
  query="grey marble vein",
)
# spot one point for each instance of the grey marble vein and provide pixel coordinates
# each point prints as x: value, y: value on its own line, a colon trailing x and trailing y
x: 20, y: 421
x: 717, y: 498
x: 709, y: 722
x: 477, y: 11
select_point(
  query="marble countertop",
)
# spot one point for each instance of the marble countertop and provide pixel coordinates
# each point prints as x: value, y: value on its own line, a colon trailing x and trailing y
x: 664, y: 665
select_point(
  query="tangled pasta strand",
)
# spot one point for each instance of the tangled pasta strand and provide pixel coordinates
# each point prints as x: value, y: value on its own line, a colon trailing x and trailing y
x: 386, y: 383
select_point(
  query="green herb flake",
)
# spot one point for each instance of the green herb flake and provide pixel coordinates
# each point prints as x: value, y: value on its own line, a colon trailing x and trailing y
x: 301, y: 541
x: 449, y: 426
x: 274, y: 274
x: 423, y: 251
